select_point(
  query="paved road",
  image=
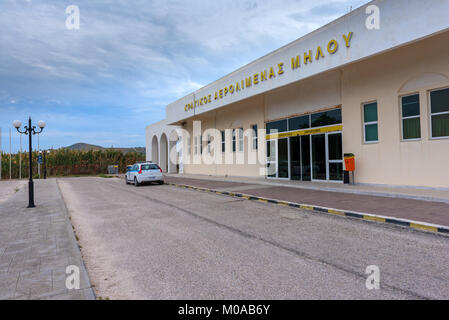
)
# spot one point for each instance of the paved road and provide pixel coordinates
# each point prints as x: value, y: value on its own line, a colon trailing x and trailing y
x: 162, y: 242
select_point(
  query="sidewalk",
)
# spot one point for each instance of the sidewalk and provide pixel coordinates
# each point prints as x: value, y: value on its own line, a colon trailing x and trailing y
x: 408, y: 204
x: 36, y: 246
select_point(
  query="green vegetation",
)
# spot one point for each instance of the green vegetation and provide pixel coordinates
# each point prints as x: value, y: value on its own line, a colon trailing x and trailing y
x: 65, y: 162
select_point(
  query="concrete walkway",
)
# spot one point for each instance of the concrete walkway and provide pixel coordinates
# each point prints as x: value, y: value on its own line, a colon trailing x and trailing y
x: 9, y: 187
x: 341, y: 197
x: 37, y: 245
x: 423, y: 193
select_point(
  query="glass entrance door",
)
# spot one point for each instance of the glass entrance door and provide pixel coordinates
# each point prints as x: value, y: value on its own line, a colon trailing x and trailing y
x: 327, y: 157
x: 295, y: 158
x: 335, y: 151
x: 300, y: 158
x: 319, y: 157
x: 316, y: 157
x: 272, y: 159
x: 278, y: 159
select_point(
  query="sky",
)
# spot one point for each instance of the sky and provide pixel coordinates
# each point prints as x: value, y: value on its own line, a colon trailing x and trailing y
x: 105, y: 82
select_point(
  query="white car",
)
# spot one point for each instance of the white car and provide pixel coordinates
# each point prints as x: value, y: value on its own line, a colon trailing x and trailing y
x: 144, y: 172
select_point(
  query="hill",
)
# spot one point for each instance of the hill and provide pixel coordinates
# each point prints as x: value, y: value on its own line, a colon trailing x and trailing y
x: 86, y: 147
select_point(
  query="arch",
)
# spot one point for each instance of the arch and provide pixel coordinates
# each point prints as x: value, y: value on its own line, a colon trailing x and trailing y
x: 175, y: 150
x: 154, y: 150
x: 424, y: 80
x: 163, y: 153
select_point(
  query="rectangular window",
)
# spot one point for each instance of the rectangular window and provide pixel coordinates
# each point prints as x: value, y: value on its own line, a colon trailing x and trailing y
x: 201, y: 145
x: 326, y: 118
x: 299, y: 123
x: 439, y: 108
x: 240, y: 139
x: 223, y: 142
x: 254, y: 136
x: 277, y: 126
x: 146, y: 167
x: 370, y: 123
x: 234, y: 147
x: 411, y: 120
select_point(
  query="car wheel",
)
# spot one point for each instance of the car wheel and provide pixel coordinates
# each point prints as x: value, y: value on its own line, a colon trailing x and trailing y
x: 161, y: 182
x: 126, y: 180
x: 135, y: 182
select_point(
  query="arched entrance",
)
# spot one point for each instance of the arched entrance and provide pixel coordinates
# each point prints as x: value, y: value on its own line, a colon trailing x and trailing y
x: 175, y: 153
x: 155, y: 150
x: 163, y: 160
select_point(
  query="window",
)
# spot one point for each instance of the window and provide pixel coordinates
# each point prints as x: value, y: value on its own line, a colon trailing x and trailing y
x: 234, y: 148
x: 370, y: 121
x: 299, y: 123
x: 276, y: 126
x: 327, y: 118
x: 254, y: 136
x: 223, y: 142
x: 439, y: 108
x: 195, y: 145
x: 240, y: 139
x: 411, y: 122
x: 146, y: 167
x: 201, y: 145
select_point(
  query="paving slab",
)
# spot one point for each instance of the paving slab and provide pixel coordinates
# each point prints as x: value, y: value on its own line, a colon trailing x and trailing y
x: 9, y: 188
x: 37, y: 245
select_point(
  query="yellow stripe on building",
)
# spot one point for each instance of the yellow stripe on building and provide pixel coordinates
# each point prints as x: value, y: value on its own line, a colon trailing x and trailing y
x: 304, y: 132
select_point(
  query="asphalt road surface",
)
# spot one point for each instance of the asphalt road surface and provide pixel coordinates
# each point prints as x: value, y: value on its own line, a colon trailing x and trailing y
x: 163, y: 242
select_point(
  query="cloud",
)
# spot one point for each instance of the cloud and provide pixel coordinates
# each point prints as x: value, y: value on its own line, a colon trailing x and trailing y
x: 135, y: 56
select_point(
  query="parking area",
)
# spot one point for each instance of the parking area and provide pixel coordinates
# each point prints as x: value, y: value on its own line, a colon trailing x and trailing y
x: 163, y: 242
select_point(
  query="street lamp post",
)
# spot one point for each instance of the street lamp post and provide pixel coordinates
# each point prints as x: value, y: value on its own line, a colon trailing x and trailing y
x: 30, y: 131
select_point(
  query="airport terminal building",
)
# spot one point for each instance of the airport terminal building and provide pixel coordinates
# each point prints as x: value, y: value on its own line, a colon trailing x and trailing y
x: 373, y: 83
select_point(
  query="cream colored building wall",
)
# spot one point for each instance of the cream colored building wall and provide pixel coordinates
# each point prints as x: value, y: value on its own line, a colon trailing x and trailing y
x: 317, y: 93
x: 419, y: 67
x: 243, y: 114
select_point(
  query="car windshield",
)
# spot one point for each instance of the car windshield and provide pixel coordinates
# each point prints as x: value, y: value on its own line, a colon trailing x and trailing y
x: 150, y: 167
